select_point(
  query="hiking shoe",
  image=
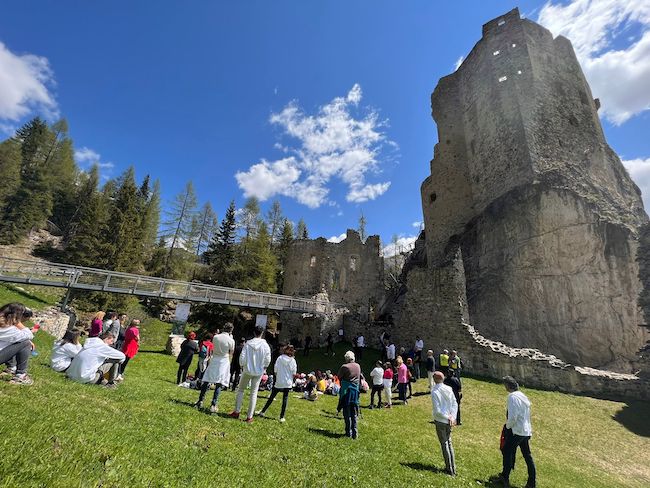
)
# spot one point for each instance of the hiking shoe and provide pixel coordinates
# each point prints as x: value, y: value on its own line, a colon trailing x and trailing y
x: 234, y: 414
x: 214, y: 409
x: 110, y: 386
x: 22, y: 379
x: 198, y: 405
x: 249, y: 420
x: 283, y: 420
x: 119, y: 377
x: 261, y: 414
x: 8, y: 373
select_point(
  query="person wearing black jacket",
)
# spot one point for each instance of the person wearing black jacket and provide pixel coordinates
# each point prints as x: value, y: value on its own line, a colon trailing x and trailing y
x: 454, y: 383
x: 235, y: 367
x: 188, y: 348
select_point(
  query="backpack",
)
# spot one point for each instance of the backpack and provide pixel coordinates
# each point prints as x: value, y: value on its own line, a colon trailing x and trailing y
x: 203, y: 352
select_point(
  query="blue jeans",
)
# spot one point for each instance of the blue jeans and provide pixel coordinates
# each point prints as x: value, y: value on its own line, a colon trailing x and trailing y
x: 350, y: 416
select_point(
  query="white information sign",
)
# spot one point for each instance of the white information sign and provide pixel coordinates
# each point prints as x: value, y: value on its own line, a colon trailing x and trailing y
x: 261, y: 321
x: 182, y: 312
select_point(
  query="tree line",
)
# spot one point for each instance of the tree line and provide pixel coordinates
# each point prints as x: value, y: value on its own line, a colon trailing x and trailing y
x: 118, y: 225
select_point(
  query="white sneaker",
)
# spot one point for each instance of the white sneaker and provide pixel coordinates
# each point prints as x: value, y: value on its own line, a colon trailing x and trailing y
x: 283, y: 420
x: 260, y: 414
x: 214, y: 409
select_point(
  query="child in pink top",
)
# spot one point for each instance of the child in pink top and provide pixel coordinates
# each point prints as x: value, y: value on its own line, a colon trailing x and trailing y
x: 402, y: 379
x: 388, y: 383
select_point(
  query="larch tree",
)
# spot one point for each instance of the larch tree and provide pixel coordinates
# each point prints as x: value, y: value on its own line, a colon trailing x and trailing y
x: 178, y: 224
x: 274, y: 221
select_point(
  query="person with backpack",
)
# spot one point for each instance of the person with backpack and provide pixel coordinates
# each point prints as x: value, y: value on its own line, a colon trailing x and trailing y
x: 285, y: 368
x: 205, y: 353
x: 254, y: 358
x: 189, y: 347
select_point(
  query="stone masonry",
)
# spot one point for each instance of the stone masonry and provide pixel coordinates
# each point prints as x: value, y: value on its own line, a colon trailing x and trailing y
x: 349, y: 273
x: 545, y: 216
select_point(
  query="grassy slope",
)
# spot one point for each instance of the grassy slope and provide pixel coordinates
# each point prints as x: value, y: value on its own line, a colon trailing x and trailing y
x: 36, y: 297
x: 58, y: 433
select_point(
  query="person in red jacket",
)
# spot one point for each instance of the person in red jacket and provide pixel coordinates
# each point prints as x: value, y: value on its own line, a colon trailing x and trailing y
x: 131, y: 344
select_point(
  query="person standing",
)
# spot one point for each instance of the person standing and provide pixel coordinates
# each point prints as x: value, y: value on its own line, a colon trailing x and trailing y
x: 15, y: 342
x: 65, y: 350
x: 330, y: 344
x: 390, y: 351
x: 431, y: 367
x: 131, y: 344
x: 377, y: 377
x: 254, y: 358
x: 285, y: 369
x: 361, y: 344
x: 518, y: 422
x: 307, y: 346
x: 402, y: 380
x: 350, y: 376
x: 108, y: 322
x: 218, y: 371
x: 443, y: 363
x: 96, y: 358
x: 188, y: 348
x: 454, y: 364
x: 388, y: 384
x: 456, y: 386
x: 411, y: 376
x: 444, y: 414
x: 205, y: 353
x: 235, y: 367
x: 417, y: 355
x: 97, y: 324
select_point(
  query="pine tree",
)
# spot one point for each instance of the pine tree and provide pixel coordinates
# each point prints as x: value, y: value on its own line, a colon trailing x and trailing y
x: 249, y: 221
x: 274, y: 221
x: 220, y: 255
x: 125, y: 225
x: 177, y: 227
x: 150, y: 217
x: 362, y: 228
x: 281, y: 252
x: 259, y: 265
x: 301, y: 231
x: 9, y: 172
x: 62, y: 174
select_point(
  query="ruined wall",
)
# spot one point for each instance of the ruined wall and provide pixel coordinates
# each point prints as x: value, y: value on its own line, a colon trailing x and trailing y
x: 544, y: 211
x: 349, y: 273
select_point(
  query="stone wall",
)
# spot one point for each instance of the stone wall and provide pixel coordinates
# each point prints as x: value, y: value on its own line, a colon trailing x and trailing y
x: 52, y: 321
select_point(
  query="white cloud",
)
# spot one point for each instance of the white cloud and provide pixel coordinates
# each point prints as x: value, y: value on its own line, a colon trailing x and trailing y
x: 25, y: 84
x: 459, y: 61
x: 332, y: 143
x: 87, y: 157
x: 417, y: 224
x: 404, y: 243
x: 639, y: 170
x: 338, y: 238
x: 592, y: 26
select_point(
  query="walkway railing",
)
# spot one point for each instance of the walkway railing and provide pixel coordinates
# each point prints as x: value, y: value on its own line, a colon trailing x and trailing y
x: 81, y: 278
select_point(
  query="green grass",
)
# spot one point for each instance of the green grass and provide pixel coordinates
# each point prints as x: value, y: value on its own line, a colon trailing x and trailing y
x: 36, y: 297
x: 145, y: 433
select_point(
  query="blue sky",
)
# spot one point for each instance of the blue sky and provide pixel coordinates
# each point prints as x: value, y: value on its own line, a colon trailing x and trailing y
x: 330, y: 100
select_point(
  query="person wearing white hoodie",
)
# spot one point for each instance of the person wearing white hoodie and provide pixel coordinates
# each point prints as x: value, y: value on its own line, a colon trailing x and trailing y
x: 65, y: 350
x: 518, y: 422
x: 15, y: 342
x: 285, y: 369
x: 254, y: 358
x: 218, y: 371
x: 95, y: 359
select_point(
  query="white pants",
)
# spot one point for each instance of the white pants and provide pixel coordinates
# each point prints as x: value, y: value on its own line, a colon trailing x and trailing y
x: 388, y: 393
x: 430, y: 375
x: 243, y: 383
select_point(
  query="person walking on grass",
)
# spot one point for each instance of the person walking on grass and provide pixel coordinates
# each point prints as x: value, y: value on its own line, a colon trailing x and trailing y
x: 377, y: 377
x: 520, y: 431
x: 130, y: 345
x: 218, y: 371
x: 285, y: 369
x: 188, y: 348
x: 402, y: 380
x: 350, y: 376
x: 445, y: 409
x: 96, y: 358
x: 388, y: 384
x: 255, y: 357
x: 65, y: 350
x: 15, y: 343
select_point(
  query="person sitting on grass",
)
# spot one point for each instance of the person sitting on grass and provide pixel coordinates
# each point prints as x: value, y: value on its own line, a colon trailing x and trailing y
x: 15, y: 342
x: 377, y: 377
x: 310, y: 388
x: 388, y: 384
x: 96, y: 359
x: 188, y: 348
x: 285, y: 368
x: 65, y: 350
x: 254, y: 358
x: 218, y: 371
x: 350, y: 375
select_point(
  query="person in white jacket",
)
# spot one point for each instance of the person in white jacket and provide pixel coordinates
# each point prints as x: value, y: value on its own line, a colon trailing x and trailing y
x: 519, y: 431
x: 15, y: 342
x: 95, y: 359
x: 285, y: 369
x: 445, y: 409
x: 218, y: 371
x: 65, y: 350
x: 254, y: 358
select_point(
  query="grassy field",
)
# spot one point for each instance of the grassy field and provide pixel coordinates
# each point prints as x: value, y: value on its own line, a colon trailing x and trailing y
x: 146, y: 433
x: 35, y: 297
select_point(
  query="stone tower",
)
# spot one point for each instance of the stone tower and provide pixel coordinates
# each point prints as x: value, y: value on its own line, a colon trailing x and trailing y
x: 526, y: 190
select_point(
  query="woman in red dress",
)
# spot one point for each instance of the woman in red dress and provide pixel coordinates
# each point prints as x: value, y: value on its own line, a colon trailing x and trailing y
x: 131, y: 344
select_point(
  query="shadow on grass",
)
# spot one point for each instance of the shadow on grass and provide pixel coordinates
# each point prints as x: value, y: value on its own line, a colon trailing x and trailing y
x: 326, y: 433
x: 634, y: 417
x: 330, y: 415
x: 421, y: 393
x: 24, y: 293
x: 424, y: 467
x: 153, y: 351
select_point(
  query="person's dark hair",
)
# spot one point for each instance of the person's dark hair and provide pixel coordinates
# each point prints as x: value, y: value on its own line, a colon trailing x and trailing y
x: 242, y: 340
x: 289, y: 350
x: 111, y: 315
x: 379, y: 364
x: 227, y: 327
x: 259, y: 331
x: 71, y: 337
x: 510, y: 383
x: 27, y: 314
x: 12, y: 313
x: 105, y: 335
